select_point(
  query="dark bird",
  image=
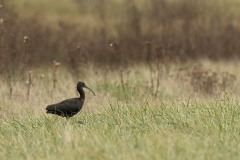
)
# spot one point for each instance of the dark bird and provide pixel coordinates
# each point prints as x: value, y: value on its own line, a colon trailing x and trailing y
x: 69, y: 107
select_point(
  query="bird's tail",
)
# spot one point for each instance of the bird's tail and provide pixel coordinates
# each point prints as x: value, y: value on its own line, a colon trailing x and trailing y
x: 51, y: 109
x: 50, y: 112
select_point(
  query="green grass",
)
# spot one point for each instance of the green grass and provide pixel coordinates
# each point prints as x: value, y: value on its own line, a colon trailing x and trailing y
x: 137, y: 130
x: 117, y: 124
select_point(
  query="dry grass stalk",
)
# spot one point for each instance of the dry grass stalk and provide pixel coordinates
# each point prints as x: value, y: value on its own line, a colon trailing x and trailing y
x: 29, y: 83
x: 55, y: 68
x: 107, y: 70
x: 77, y: 60
x: 149, y: 63
x: 119, y: 58
x: 26, y: 55
x: 160, y: 59
x: 10, y: 82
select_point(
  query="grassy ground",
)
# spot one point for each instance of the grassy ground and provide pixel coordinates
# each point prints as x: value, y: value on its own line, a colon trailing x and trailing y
x: 130, y: 124
x: 178, y: 123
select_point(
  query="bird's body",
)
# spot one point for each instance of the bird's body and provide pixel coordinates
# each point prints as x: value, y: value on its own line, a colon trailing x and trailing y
x: 69, y: 107
x: 66, y: 108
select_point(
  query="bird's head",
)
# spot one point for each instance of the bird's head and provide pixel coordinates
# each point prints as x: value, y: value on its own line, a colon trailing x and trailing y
x: 83, y: 85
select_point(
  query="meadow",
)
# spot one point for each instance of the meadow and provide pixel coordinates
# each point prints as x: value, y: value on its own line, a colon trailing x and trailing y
x: 156, y: 97
x: 119, y: 124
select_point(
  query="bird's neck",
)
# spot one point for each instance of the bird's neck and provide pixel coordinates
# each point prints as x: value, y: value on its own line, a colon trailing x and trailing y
x: 81, y: 92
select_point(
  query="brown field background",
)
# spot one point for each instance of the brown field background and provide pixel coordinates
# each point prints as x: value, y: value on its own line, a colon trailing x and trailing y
x: 182, y: 30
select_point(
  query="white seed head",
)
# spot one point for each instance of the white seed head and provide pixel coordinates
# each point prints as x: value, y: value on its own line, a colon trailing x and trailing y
x: 42, y: 76
x: 1, y: 20
x: 56, y: 63
x: 25, y: 39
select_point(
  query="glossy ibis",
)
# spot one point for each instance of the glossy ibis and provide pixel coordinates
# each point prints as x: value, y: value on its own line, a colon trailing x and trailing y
x: 69, y: 107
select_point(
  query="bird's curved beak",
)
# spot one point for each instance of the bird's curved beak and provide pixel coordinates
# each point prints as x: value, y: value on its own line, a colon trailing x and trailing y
x: 90, y: 90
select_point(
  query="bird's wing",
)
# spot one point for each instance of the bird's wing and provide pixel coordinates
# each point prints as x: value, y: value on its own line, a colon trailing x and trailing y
x: 67, y: 105
x: 69, y: 101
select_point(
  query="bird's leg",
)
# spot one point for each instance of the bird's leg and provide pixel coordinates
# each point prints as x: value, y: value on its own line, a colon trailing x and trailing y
x: 67, y: 118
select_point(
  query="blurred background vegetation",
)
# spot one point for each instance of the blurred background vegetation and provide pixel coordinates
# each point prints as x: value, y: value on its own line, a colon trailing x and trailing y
x: 62, y: 29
